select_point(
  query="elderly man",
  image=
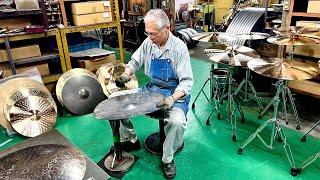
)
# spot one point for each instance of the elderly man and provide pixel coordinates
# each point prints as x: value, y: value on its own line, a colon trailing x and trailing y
x: 166, y: 62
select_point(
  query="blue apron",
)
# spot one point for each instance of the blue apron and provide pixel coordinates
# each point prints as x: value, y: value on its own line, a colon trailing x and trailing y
x: 164, y: 81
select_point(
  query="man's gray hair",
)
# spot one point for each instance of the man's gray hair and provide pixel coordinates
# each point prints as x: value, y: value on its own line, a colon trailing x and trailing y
x: 157, y: 16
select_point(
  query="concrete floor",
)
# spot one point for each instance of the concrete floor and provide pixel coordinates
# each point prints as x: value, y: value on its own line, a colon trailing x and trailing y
x: 308, y: 107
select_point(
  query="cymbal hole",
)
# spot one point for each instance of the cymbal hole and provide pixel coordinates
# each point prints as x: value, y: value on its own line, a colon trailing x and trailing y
x: 83, y: 94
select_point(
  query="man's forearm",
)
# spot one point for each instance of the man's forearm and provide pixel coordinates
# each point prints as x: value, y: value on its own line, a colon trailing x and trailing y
x: 177, y: 95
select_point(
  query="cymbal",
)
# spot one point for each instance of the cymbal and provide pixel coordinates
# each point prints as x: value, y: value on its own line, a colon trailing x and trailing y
x: 107, y: 75
x: 232, y: 55
x: 213, y: 37
x: 253, y: 36
x: 48, y: 161
x: 13, y: 85
x: 79, y: 91
x: 32, y: 116
x: 283, y: 69
x: 128, y: 105
x: 295, y: 30
x: 292, y: 41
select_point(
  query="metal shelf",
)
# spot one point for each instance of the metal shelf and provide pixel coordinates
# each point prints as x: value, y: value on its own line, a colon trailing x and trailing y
x: 37, y: 59
x: 50, y: 78
x: 304, y: 14
x: 72, y: 29
x: 26, y: 36
x: 19, y: 13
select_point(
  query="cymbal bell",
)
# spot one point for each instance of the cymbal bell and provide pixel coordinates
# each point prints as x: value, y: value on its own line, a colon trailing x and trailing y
x: 284, y: 69
x: 232, y: 55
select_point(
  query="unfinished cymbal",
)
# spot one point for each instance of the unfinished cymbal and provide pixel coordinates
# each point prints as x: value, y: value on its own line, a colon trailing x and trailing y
x: 48, y: 161
x: 283, y: 68
x: 12, y: 86
x: 214, y: 37
x: 107, y: 75
x: 128, y: 105
x: 32, y: 116
x: 79, y: 91
x: 292, y: 40
x: 232, y: 55
x: 295, y: 30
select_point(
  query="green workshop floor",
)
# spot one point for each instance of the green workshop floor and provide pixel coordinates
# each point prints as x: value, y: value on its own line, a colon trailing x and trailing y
x: 209, y: 152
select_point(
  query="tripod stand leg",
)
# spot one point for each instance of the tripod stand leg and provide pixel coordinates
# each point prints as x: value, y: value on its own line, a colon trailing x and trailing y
x: 294, y: 108
x: 310, y: 160
x: 255, y: 94
x: 201, y: 91
x: 265, y: 109
x: 304, y: 137
x: 284, y: 106
x: 254, y: 135
x: 240, y: 111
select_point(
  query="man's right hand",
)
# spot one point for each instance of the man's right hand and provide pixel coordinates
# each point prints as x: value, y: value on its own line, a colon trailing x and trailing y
x: 123, y: 78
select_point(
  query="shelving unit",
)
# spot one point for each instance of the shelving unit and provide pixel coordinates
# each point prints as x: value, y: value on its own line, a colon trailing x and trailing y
x: 72, y: 29
x: 46, y: 56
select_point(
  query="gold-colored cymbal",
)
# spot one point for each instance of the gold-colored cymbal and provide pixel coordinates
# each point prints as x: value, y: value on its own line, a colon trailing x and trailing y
x: 107, y: 75
x: 295, y: 30
x: 283, y: 69
x: 232, y: 55
x: 11, y: 86
x: 32, y: 115
x: 292, y: 41
x: 253, y: 36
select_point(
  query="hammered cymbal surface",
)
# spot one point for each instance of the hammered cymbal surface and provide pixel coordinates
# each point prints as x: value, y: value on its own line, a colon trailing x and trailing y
x: 128, y: 105
x: 43, y: 162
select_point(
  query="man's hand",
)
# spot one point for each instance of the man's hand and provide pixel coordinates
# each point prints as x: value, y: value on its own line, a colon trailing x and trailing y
x: 167, y: 103
x: 123, y: 78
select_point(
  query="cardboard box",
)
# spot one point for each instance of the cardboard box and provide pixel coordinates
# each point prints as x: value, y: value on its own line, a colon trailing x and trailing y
x: 312, y: 24
x: 90, y: 7
x: 42, y: 68
x: 21, y: 52
x: 313, y: 6
x: 18, y: 23
x: 94, y: 64
x: 81, y: 20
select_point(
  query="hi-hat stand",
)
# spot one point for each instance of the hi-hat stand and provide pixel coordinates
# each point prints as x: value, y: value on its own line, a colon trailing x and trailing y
x: 276, y: 132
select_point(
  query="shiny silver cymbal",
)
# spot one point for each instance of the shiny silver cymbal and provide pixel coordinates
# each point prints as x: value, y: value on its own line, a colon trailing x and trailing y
x: 107, y: 75
x: 232, y: 55
x: 253, y: 36
x: 128, y: 105
x: 214, y: 37
x: 32, y: 115
x: 48, y: 161
x: 283, y: 69
x: 79, y: 91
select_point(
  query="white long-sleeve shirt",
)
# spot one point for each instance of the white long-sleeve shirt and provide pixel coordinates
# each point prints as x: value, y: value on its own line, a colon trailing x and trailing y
x: 175, y: 50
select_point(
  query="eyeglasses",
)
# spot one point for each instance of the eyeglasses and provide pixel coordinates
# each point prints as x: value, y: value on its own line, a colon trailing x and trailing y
x: 153, y: 34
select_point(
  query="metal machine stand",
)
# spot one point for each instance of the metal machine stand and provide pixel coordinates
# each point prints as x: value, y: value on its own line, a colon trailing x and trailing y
x: 277, y: 131
x: 118, y: 161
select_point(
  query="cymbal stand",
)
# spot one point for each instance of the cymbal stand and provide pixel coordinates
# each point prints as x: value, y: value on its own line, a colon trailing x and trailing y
x: 309, y: 161
x: 245, y: 83
x: 214, y: 93
x: 277, y: 131
x: 286, y: 92
x: 232, y: 104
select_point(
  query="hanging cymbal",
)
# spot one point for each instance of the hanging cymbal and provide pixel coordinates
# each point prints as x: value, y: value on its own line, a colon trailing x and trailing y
x: 292, y: 41
x: 12, y: 86
x: 232, y: 55
x: 283, y: 69
x: 253, y: 36
x: 47, y: 161
x: 107, y: 75
x: 32, y: 116
x: 79, y: 91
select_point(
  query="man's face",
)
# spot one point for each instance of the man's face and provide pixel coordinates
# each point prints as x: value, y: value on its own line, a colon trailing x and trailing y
x: 155, y: 34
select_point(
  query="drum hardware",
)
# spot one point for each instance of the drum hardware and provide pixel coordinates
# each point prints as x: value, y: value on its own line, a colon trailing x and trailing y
x: 120, y: 107
x: 277, y: 131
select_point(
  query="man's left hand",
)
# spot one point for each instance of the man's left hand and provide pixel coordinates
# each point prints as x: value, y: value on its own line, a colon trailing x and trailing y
x: 167, y: 103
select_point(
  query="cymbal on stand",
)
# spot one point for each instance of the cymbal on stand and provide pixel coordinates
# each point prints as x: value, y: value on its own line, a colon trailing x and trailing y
x: 284, y: 69
x: 253, y: 36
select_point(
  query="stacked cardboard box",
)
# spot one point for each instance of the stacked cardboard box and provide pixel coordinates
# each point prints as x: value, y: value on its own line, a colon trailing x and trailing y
x: 313, y: 6
x: 91, y: 12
